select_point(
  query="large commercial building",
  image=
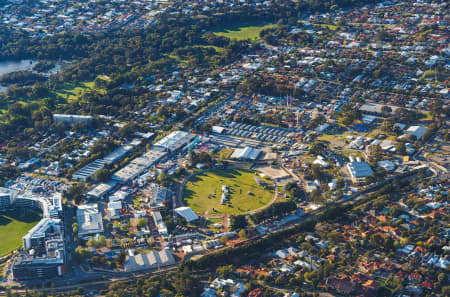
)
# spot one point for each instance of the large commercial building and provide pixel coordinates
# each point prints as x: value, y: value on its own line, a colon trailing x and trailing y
x: 246, y: 153
x: 118, y: 154
x: 152, y: 260
x: 158, y: 196
x: 174, y: 141
x: 186, y: 213
x: 72, y: 119
x: 359, y: 170
x: 138, y: 166
x: 47, y: 228
x: 85, y: 173
x: 168, y: 144
x: 51, y: 207
x: 7, y: 197
x: 43, y: 255
x: 417, y: 131
x: 100, y: 190
x: 32, y: 265
x: 89, y: 220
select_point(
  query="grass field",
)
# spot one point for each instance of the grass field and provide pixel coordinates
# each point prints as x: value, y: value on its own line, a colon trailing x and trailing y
x: 243, y: 31
x: 224, y: 154
x: 427, y: 116
x: 204, y: 191
x: 329, y: 26
x: 72, y: 92
x: 69, y: 92
x: 14, y: 225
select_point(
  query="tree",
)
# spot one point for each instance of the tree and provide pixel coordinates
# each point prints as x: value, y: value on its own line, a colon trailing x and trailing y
x: 400, y: 148
x: 238, y: 222
x: 141, y: 223
x: 103, y: 147
x: 163, y: 179
x: 102, y: 175
x: 91, y: 242
x: 128, y: 130
x: 75, y: 228
x: 223, y: 240
x: 243, y: 234
x: 317, y: 148
x: 380, y: 35
x: 120, y: 258
x: 101, y: 242
x: 316, y: 172
x: 186, y: 285
x: 76, y: 192
x: 225, y: 271
x: 82, y: 254
x: 294, y: 190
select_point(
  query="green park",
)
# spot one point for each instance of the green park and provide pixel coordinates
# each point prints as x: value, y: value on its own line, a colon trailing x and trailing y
x: 13, y: 226
x: 246, y: 192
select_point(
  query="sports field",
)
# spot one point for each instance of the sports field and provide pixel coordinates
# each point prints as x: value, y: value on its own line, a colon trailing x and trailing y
x: 243, y: 31
x: 203, y: 192
x: 14, y: 225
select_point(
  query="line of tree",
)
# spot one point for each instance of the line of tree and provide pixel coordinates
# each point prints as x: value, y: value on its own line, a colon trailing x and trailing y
x: 274, y: 211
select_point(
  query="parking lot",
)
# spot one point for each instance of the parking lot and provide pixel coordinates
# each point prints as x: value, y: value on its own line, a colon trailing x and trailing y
x: 261, y: 133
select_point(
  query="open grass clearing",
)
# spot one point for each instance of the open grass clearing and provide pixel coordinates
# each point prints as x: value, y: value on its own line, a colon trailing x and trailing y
x: 72, y: 92
x: 329, y: 26
x: 224, y: 154
x: 203, y: 192
x: 243, y: 31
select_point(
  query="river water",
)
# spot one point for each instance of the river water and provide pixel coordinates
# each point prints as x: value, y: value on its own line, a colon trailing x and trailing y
x: 12, y: 66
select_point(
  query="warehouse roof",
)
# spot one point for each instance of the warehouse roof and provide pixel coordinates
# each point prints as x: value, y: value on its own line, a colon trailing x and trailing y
x: 118, y: 154
x: 149, y: 260
x: 359, y: 169
x: 99, y: 190
x: 187, y: 213
x: 246, y: 153
x: 417, y: 131
x: 138, y: 165
x: 174, y: 140
x: 89, y: 219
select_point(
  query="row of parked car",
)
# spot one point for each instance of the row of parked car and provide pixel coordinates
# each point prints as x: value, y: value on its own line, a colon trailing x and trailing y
x: 259, y: 136
x: 259, y: 129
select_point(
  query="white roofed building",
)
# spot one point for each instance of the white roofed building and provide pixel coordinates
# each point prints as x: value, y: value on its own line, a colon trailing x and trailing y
x: 89, y: 220
x: 174, y: 141
x: 187, y: 213
x: 359, y: 170
x: 149, y: 260
x: 7, y: 197
x: 417, y: 131
x: 246, y: 153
